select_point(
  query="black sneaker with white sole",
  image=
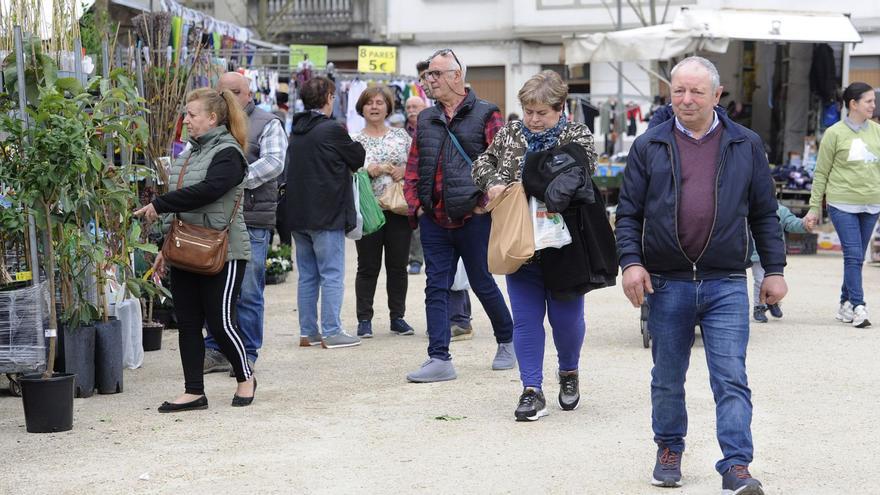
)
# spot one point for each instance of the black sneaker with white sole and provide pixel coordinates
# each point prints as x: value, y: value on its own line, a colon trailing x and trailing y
x: 532, y: 405
x: 569, y: 396
x: 667, y: 469
x: 738, y: 481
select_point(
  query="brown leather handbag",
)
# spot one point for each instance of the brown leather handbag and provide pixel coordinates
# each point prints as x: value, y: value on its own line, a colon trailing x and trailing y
x: 194, y: 248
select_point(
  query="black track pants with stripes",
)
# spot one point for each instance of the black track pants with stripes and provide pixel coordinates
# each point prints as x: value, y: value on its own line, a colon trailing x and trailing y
x: 208, y: 300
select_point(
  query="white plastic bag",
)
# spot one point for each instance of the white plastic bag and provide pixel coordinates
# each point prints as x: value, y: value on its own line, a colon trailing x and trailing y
x: 460, y: 282
x: 357, y: 232
x: 550, y: 229
x: 129, y: 313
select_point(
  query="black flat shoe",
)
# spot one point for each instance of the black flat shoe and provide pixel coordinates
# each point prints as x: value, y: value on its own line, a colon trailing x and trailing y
x: 169, y: 407
x: 244, y: 401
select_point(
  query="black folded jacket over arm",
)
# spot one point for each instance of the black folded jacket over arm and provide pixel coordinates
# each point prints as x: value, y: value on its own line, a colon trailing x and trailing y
x: 560, y: 178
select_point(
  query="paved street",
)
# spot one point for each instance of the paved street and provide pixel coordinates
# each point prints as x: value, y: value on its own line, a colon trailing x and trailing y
x: 345, y: 421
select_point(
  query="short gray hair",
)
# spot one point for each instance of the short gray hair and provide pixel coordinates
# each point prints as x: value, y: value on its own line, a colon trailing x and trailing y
x: 714, y: 77
x: 545, y: 87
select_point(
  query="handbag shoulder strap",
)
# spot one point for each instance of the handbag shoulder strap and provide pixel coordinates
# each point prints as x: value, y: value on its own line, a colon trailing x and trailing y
x: 180, y: 178
x: 180, y: 184
x: 459, y: 148
x: 234, y: 210
x: 183, y: 172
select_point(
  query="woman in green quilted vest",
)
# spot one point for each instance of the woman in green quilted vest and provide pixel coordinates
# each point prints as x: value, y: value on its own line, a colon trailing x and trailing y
x: 214, y: 168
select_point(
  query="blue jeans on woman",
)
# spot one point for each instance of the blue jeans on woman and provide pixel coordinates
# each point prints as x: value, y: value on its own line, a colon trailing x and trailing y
x: 854, y: 231
x: 529, y: 301
x: 250, y: 303
x: 442, y: 248
x: 722, y: 308
x: 320, y: 262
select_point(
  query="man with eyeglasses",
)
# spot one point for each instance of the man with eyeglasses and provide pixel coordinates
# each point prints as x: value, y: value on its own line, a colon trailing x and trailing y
x: 448, y: 208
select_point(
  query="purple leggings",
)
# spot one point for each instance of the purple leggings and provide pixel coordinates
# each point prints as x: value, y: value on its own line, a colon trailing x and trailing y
x: 529, y: 301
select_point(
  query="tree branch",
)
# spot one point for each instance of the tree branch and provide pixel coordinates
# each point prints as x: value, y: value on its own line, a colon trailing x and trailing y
x: 608, y: 8
x: 665, y: 11
x: 637, y: 12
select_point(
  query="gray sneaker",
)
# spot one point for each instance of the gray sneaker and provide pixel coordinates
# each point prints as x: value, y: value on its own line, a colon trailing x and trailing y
x: 341, y: 339
x: 251, y: 363
x: 433, y: 370
x: 461, y: 333
x: 504, y: 357
x: 215, y: 362
x: 309, y: 340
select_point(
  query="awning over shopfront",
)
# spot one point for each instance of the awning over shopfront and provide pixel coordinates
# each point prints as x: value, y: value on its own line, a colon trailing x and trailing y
x: 770, y: 25
x: 648, y: 43
x: 708, y: 30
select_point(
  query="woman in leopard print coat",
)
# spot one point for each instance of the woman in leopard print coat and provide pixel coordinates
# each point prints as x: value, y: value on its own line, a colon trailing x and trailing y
x: 543, y: 127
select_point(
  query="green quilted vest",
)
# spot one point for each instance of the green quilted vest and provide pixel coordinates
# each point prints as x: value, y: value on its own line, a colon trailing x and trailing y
x: 215, y: 215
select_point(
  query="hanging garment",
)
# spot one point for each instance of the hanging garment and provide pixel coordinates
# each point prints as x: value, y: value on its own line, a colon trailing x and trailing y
x: 354, y: 122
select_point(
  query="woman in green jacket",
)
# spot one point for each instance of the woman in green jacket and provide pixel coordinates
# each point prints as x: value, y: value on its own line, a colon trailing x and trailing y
x: 848, y: 178
x: 209, y: 195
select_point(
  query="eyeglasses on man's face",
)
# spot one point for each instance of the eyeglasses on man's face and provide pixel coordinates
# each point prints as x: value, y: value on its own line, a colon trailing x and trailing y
x: 435, y: 74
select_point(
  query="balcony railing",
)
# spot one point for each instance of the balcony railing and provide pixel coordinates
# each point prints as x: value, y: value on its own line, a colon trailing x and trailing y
x: 317, y: 19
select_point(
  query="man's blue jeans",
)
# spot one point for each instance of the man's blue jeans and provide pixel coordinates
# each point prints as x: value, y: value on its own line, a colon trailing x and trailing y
x: 854, y: 231
x: 320, y: 261
x: 250, y: 303
x: 722, y: 308
x: 459, y: 308
x: 442, y: 248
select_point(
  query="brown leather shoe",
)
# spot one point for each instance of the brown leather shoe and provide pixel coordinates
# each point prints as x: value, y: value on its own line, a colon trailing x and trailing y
x: 309, y: 341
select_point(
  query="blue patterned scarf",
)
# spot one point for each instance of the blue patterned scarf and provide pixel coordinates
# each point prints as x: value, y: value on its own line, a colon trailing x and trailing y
x: 544, y: 140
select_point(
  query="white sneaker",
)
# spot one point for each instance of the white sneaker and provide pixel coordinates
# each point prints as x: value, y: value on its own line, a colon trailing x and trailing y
x: 860, y: 317
x: 845, y: 313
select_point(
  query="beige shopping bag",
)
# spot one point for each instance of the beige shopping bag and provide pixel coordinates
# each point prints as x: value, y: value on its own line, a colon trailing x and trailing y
x: 512, y: 238
x: 393, y: 200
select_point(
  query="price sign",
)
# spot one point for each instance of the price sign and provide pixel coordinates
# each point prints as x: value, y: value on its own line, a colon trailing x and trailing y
x: 377, y: 59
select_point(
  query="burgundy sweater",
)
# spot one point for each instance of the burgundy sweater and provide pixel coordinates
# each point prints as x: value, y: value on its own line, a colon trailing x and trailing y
x: 696, y: 207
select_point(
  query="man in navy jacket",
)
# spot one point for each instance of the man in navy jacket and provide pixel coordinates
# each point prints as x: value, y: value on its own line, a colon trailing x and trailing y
x: 696, y: 188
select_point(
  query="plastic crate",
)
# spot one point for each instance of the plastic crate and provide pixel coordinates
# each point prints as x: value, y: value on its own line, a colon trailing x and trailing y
x: 801, y: 243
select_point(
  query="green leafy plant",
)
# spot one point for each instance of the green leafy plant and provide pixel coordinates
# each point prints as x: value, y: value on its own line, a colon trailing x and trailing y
x: 278, y: 260
x: 80, y: 199
x: 40, y: 70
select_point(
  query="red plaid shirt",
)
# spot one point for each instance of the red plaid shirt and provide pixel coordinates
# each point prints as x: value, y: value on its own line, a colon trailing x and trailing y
x: 411, y: 177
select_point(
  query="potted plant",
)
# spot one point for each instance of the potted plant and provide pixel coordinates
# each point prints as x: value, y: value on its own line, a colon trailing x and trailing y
x: 278, y: 264
x: 115, y: 116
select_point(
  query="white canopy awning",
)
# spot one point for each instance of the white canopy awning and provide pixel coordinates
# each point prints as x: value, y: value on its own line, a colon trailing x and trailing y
x: 770, y: 25
x: 648, y: 43
x: 708, y: 30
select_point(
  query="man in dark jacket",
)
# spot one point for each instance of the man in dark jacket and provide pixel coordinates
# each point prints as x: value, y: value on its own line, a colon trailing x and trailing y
x: 267, y: 144
x: 694, y: 188
x: 447, y: 207
x: 320, y: 210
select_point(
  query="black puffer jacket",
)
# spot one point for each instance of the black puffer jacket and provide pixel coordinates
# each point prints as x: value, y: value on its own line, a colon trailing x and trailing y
x: 321, y: 159
x: 590, y: 261
x: 560, y: 179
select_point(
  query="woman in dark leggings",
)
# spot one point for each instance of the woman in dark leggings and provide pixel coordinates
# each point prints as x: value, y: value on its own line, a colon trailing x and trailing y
x: 213, y: 169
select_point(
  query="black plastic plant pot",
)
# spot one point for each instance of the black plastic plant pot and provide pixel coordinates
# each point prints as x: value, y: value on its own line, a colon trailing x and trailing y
x: 164, y: 316
x: 79, y: 358
x: 152, y: 339
x: 48, y: 402
x: 108, y: 356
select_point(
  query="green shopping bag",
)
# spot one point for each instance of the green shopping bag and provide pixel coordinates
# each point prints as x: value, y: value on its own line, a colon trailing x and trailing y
x: 374, y: 219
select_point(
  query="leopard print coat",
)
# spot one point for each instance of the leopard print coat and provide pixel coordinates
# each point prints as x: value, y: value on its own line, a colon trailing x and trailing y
x: 500, y: 163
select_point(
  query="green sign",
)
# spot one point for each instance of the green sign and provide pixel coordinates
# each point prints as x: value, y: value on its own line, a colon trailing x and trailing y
x: 317, y: 55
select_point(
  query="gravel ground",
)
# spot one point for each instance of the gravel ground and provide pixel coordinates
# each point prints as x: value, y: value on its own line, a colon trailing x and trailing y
x: 346, y: 421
